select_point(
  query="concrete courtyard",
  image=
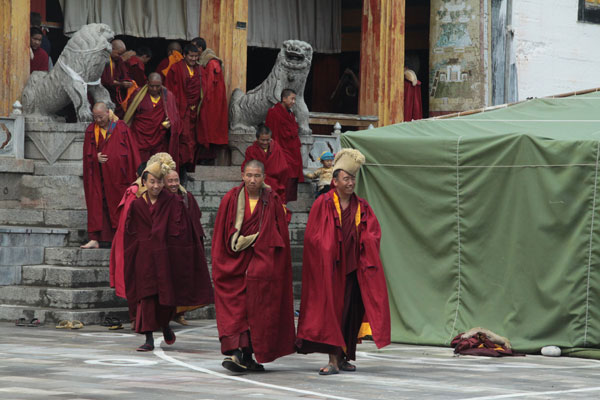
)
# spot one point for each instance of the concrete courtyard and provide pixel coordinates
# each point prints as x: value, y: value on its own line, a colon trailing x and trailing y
x: 95, y: 363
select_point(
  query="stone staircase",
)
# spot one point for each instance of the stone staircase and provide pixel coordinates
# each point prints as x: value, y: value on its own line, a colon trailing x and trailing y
x: 43, y: 273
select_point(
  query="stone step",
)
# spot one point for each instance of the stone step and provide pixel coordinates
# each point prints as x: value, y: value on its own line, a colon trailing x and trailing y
x: 64, y: 276
x: 211, y: 173
x: 51, y: 316
x: 24, y: 236
x: 77, y: 298
x: 76, y: 256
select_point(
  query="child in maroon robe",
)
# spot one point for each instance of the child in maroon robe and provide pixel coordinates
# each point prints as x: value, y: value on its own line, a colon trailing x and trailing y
x: 39, y: 57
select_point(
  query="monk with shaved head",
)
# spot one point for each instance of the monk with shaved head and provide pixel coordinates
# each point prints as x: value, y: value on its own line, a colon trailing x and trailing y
x: 115, y: 77
x: 110, y: 160
x: 174, y: 55
x: 154, y: 119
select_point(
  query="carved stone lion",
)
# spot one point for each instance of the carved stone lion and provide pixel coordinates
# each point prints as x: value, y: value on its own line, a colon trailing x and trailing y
x: 248, y: 110
x: 76, y: 73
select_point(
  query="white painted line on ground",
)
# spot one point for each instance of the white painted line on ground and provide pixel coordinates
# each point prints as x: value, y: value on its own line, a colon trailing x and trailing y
x: 529, y: 394
x: 158, y: 351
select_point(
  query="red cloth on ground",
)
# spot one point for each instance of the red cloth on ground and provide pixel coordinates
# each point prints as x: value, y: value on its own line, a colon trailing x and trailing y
x: 162, y: 255
x: 480, y: 345
x: 147, y: 130
x: 285, y: 132
x: 413, y: 106
x: 187, y: 90
x: 253, y: 287
x: 276, y: 167
x: 117, y: 251
x: 213, y: 127
x: 136, y: 70
x: 111, y: 179
x: 39, y: 61
x: 324, y: 270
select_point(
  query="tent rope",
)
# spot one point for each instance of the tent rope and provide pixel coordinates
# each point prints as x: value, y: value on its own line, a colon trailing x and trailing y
x: 589, y: 269
x: 457, y: 235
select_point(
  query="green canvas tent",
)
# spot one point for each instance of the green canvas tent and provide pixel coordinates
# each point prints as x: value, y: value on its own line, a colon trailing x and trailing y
x: 490, y: 220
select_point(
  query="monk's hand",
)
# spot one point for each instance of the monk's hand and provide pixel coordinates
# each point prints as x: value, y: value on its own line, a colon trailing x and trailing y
x: 166, y: 123
x: 102, y: 158
x: 126, y: 84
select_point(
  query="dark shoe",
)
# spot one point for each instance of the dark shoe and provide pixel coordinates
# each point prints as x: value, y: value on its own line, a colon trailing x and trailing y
x: 346, y: 366
x: 169, y: 336
x: 234, y: 364
x: 253, y: 366
x: 146, y: 347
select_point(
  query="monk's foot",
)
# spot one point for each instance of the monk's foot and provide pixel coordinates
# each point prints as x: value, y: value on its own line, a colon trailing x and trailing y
x: 180, y: 319
x: 346, y: 366
x: 92, y: 244
x: 329, y: 369
x: 251, y: 363
x: 146, y: 347
x: 169, y: 335
x: 235, y: 363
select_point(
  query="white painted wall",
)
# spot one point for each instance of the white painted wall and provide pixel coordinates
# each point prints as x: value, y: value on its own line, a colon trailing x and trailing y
x: 554, y: 53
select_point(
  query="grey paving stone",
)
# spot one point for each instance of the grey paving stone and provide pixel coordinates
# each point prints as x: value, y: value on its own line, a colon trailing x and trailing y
x: 64, y: 276
x: 73, y: 219
x: 21, y: 255
x: 21, y: 238
x: 65, y: 298
x: 10, y: 274
x: 21, y: 216
x: 76, y: 256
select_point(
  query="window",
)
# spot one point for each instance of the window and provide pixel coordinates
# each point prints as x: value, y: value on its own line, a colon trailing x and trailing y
x: 589, y: 11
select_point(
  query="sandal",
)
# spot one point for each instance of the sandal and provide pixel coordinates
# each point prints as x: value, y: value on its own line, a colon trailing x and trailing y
x: 76, y: 324
x: 329, y: 369
x: 146, y: 347
x: 169, y: 336
x: 346, y: 366
x: 34, y: 323
x: 234, y: 364
x: 64, y: 325
x: 21, y: 322
x: 109, y: 321
x: 115, y: 327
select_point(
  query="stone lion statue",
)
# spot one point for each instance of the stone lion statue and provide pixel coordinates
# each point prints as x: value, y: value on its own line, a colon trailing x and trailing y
x: 76, y: 73
x: 248, y: 110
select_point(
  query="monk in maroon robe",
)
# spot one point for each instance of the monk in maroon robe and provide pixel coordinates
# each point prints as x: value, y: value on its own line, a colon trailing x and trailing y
x: 252, y: 273
x: 282, y: 122
x: 154, y: 120
x: 213, y: 129
x: 267, y: 151
x: 195, y: 214
x: 185, y: 81
x: 173, y: 56
x: 110, y: 160
x: 136, y: 65
x: 39, y: 60
x: 342, y: 275
x: 163, y: 263
x: 115, y: 77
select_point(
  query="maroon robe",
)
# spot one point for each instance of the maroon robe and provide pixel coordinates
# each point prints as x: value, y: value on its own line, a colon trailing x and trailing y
x: 413, y: 107
x: 39, y: 61
x: 136, y: 70
x: 108, y: 78
x: 285, y: 131
x: 253, y: 287
x: 161, y: 66
x: 105, y: 184
x: 147, y: 130
x: 187, y: 90
x: 212, y: 126
x: 276, y: 167
x: 328, y: 261
x: 163, y: 262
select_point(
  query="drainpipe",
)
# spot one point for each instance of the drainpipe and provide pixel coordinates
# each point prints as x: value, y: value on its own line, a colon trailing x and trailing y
x: 507, y: 49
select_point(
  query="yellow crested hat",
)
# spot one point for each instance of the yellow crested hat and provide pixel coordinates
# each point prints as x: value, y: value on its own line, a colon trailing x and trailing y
x: 349, y: 160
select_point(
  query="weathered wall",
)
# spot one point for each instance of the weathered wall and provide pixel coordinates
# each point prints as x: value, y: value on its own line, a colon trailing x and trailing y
x: 458, y: 58
x: 554, y: 53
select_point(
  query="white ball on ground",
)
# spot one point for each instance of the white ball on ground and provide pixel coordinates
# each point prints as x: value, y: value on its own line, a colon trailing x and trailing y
x: 551, y: 351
